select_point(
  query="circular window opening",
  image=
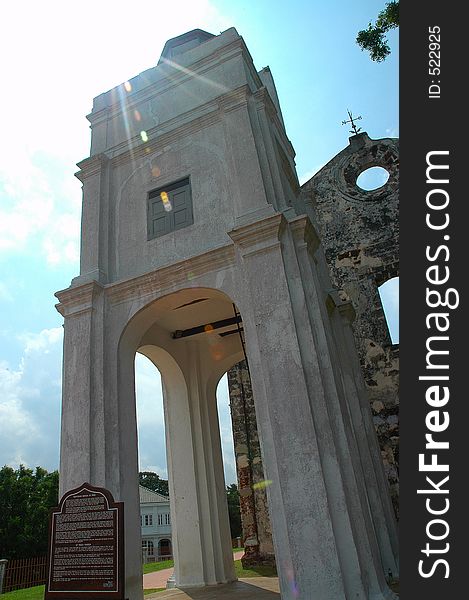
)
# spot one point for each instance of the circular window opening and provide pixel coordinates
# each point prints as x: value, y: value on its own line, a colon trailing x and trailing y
x: 372, y: 178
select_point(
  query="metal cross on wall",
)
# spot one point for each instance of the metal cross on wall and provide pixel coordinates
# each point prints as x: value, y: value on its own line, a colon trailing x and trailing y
x: 354, y: 129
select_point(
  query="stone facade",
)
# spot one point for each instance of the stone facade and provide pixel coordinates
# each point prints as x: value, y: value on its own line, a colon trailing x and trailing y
x: 359, y: 232
x: 205, y: 115
x: 155, y: 523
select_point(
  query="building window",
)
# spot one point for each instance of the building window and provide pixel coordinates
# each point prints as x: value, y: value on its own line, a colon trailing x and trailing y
x: 166, y: 519
x: 148, y: 520
x: 160, y: 519
x: 148, y: 547
x: 169, y: 209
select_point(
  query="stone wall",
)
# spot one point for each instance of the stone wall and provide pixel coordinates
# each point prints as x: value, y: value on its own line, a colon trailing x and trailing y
x: 257, y: 533
x: 359, y: 232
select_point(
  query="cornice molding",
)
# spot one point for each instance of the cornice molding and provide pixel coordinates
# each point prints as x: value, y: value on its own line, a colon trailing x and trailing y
x: 91, y: 166
x: 77, y: 299
x: 165, y: 279
x: 304, y: 231
x: 258, y: 236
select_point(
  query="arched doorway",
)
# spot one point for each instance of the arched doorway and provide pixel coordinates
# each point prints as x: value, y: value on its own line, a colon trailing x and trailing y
x: 164, y: 549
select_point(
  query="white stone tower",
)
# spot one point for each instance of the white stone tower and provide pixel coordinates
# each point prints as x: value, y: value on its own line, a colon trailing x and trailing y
x: 191, y: 215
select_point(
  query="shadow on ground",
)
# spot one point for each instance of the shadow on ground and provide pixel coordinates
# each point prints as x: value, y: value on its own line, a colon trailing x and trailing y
x: 255, y: 588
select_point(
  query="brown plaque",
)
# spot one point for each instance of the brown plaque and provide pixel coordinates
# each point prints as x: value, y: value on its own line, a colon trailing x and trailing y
x: 86, y: 546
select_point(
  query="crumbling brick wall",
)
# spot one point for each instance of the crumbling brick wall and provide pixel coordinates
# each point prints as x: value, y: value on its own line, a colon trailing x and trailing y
x: 359, y: 233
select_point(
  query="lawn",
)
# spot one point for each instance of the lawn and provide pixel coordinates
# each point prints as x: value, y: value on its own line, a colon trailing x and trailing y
x: 37, y: 592
x: 261, y: 571
x: 156, y: 566
x: 32, y: 593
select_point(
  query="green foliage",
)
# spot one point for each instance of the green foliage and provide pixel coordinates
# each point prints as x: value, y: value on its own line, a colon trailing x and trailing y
x: 373, y: 39
x: 234, y: 513
x: 153, y: 482
x: 26, y: 498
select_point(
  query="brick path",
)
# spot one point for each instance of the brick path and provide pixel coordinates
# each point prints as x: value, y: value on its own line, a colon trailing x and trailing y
x: 158, y: 579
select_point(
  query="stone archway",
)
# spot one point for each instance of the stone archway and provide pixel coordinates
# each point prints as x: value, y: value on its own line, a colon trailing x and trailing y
x: 188, y: 336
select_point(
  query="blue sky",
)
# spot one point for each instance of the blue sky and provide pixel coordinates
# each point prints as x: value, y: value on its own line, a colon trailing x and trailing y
x: 57, y: 56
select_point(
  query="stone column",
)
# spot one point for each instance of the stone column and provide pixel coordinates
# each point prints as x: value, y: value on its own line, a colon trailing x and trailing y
x: 200, y: 527
x: 257, y: 535
x: 321, y: 530
x: 99, y: 431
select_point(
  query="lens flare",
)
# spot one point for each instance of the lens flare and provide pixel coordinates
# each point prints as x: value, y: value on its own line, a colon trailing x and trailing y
x: 137, y: 115
x: 155, y: 171
x: 128, y: 86
x: 261, y: 485
x: 166, y: 202
x: 208, y: 328
x: 144, y: 136
x: 216, y: 351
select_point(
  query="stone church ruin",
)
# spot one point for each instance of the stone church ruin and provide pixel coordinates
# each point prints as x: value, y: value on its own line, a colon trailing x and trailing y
x: 200, y: 250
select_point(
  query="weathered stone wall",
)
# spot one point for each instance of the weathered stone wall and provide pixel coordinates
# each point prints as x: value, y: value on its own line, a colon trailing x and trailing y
x: 360, y: 236
x: 257, y: 533
x: 359, y: 232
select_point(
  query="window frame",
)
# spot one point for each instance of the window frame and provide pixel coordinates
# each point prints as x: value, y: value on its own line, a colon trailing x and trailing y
x: 170, y: 189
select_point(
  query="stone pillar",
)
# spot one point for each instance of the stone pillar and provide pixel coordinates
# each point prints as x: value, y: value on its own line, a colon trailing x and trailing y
x: 200, y: 526
x: 367, y: 447
x: 257, y: 534
x: 323, y: 536
x: 99, y: 431
x: 3, y: 567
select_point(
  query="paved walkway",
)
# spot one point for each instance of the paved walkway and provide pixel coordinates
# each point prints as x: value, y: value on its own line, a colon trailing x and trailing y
x: 253, y: 588
x: 158, y: 579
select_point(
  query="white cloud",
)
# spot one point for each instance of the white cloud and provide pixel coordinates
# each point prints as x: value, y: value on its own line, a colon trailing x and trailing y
x: 38, y: 210
x: 48, y: 89
x: 30, y: 403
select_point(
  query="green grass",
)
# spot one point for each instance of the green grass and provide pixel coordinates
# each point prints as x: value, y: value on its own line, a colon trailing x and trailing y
x: 37, y: 592
x: 261, y: 571
x: 32, y: 593
x: 153, y: 590
x: 156, y: 566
